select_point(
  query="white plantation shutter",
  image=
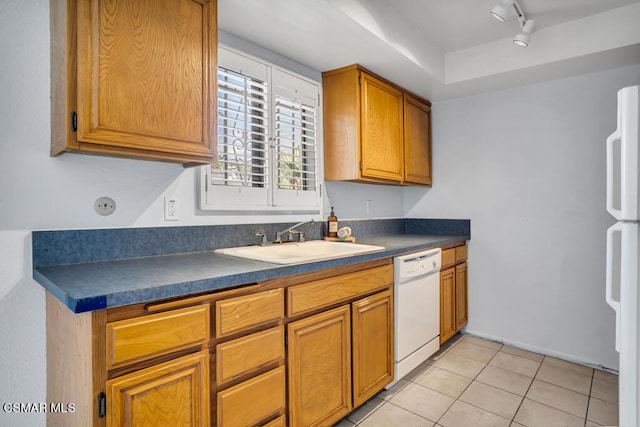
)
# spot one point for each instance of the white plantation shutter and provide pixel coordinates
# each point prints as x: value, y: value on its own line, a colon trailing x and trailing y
x: 295, y: 141
x: 238, y: 179
x: 267, y: 140
x: 243, y: 125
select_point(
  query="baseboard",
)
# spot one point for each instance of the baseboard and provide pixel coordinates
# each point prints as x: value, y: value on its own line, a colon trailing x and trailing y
x: 540, y: 350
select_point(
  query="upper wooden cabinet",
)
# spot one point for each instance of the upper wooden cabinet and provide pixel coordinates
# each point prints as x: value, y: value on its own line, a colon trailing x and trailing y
x: 374, y: 131
x: 381, y: 127
x: 134, y: 78
x: 417, y: 140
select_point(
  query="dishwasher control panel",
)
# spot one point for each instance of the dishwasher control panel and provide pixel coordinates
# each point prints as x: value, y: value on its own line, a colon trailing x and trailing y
x: 417, y: 263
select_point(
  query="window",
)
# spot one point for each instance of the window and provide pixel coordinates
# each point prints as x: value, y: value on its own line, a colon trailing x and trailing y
x: 268, y: 138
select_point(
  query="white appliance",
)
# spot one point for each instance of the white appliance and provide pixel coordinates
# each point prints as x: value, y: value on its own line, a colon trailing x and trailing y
x: 417, y: 309
x: 623, y: 250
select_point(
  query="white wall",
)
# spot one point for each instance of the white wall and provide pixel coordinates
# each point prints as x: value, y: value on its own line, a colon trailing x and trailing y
x: 40, y: 192
x: 527, y: 166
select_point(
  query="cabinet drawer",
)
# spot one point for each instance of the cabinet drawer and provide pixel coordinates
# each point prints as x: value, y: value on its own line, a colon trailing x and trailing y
x: 248, y: 311
x: 252, y: 401
x: 461, y: 253
x: 145, y: 337
x: 448, y: 257
x: 310, y: 296
x: 243, y: 355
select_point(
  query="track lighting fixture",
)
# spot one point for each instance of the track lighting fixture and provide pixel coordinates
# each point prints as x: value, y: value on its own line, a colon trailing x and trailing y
x: 522, y: 39
x: 501, y: 13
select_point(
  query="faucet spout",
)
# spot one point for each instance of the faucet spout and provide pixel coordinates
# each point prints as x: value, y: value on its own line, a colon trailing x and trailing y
x: 291, y: 230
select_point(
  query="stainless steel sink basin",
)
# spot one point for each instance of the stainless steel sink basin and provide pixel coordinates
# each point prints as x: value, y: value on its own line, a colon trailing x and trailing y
x: 292, y: 253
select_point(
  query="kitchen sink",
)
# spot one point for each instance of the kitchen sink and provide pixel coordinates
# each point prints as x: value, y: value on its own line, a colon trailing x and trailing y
x: 292, y: 253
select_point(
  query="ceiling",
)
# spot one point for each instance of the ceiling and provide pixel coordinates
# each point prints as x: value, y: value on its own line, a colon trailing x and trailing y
x: 442, y: 49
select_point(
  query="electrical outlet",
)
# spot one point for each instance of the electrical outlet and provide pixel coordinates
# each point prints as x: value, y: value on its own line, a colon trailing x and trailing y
x: 105, y: 206
x: 171, y: 209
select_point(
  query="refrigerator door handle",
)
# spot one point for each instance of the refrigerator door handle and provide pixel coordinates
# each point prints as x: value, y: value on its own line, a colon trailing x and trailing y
x: 611, y: 140
x: 615, y: 304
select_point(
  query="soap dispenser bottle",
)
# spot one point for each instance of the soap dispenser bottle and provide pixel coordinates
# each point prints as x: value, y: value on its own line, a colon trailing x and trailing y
x: 332, y: 224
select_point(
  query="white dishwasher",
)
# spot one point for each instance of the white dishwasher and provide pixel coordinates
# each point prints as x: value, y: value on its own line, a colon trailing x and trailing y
x: 417, y: 309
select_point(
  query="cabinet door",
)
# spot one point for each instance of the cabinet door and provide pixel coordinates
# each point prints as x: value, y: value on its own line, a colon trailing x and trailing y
x: 319, y: 357
x: 372, y: 345
x: 381, y: 124
x: 461, y: 295
x: 417, y: 141
x: 146, y: 78
x: 174, y: 393
x: 447, y: 304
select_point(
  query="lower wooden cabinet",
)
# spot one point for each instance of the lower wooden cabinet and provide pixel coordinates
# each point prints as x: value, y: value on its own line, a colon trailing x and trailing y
x: 372, y: 324
x: 447, y: 304
x: 453, y: 292
x: 234, y: 358
x: 319, y: 357
x: 174, y: 393
x: 336, y: 365
x: 461, y: 295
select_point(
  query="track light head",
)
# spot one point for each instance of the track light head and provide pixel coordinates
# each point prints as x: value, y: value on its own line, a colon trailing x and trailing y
x: 501, y: 10
x: 522, y: 39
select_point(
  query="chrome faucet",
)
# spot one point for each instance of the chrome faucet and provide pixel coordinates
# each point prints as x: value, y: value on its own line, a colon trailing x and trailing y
x: 263, y: 238
x: 292, y: 230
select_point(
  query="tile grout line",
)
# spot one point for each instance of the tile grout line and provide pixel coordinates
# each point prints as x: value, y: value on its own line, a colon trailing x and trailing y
x: 471, y: 382
x: 559, y: 386
x: 411, y: 412
x: 458, y: 341
x: 513, y: 420
x: 558, y: 409
x: 586, y: 414
x: 496, y: 387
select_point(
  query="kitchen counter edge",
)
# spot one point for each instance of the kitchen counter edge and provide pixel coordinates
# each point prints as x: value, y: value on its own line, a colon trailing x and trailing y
x: 100, y: 285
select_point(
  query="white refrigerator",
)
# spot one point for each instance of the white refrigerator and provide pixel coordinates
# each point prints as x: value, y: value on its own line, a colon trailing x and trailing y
x: 623, y: 249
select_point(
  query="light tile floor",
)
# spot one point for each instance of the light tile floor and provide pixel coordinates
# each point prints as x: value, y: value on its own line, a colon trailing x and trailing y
x: 474, y: 382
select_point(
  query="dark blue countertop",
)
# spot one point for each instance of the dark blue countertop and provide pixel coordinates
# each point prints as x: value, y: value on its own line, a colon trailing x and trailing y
x: 95, y: 269
x: 99, y: 285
